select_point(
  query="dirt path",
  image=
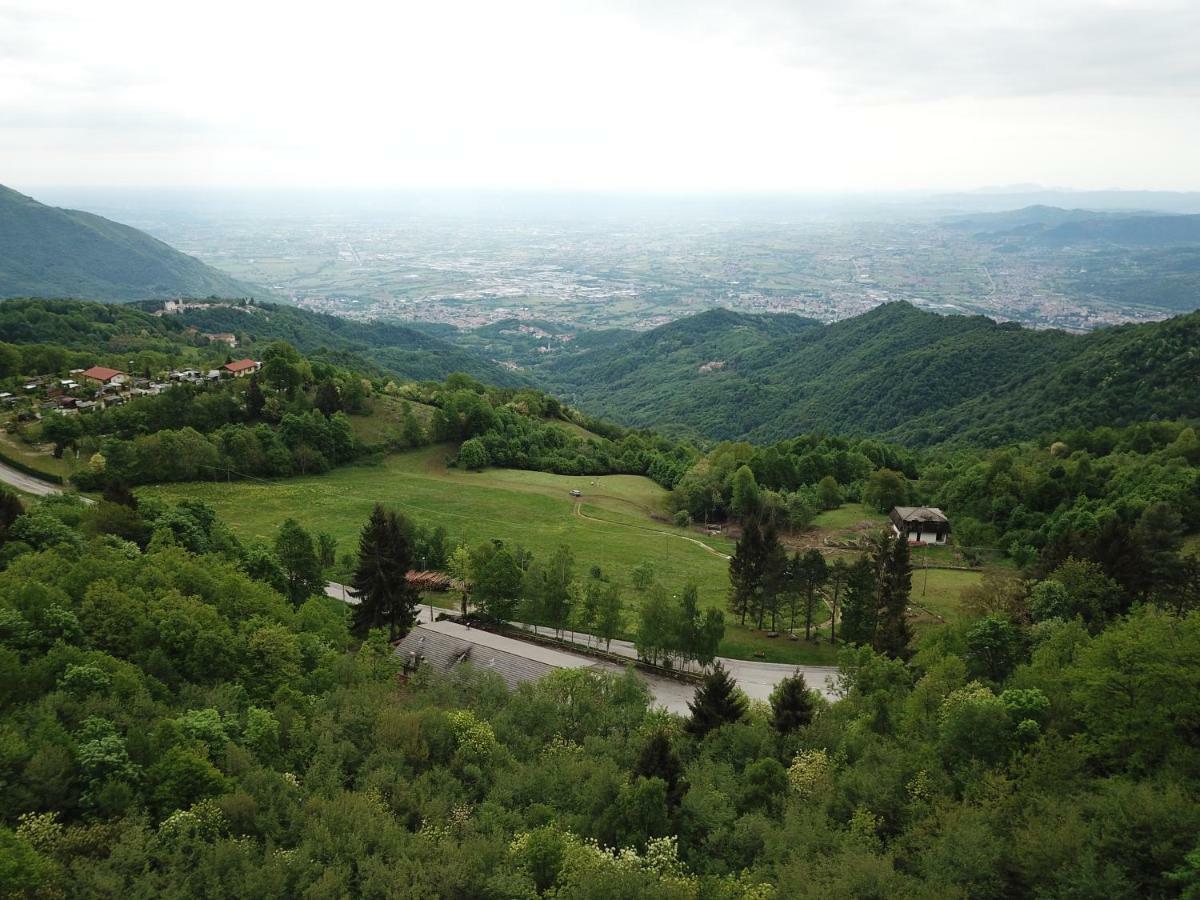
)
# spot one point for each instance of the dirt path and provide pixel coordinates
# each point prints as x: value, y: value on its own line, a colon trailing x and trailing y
x: 577, y: 509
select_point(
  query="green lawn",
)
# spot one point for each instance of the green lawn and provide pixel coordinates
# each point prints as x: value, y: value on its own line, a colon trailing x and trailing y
x: 939, y: 590
x: 616, y: 524
x: 610, y: 526
x: 37, y: 457
x: 848, y: 516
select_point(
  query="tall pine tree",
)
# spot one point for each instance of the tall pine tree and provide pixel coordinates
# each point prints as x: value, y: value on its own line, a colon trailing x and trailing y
x: 380, y: 582
x: 894, y: 586
x: 718, y: 701
x: 745, y: 571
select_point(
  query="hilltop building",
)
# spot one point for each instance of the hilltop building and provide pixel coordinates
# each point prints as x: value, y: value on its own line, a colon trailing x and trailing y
x: 920, y: 524
x: 241, y: 368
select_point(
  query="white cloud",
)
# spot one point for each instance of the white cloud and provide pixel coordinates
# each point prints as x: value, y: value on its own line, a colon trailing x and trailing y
x: 755, y: 94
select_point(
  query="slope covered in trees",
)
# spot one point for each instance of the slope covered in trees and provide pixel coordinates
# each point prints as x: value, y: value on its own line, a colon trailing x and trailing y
x: 408, y: 352
x: 175, y: 725
x: 51, y: 252
x: 895, y: 372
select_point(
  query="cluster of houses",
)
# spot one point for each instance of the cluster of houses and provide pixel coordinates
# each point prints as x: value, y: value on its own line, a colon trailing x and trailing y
x: 100, y: 387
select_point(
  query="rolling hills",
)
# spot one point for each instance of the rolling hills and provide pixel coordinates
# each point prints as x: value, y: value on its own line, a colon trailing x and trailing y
x: 895, y: 372
x: 50, y: 252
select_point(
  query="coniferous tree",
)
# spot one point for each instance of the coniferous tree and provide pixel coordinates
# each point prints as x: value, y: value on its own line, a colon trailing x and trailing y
x: 839, y: 575
x: 745, y: 571
x: 117, y: 491
x: 774, y: 580
x: 814, y: 572
x: 10, y: 508
x: 792, y: 704
x: 894, y: 586
x: 380, y: 582
x: 859, y: 611
x: 718, y: 701
x: 255, y: 401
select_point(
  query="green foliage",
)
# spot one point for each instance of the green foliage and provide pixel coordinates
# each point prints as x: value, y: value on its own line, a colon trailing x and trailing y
x: 718, y: 701
x: 380, y: 580
x: 51, y: 252
x: 894, y: 372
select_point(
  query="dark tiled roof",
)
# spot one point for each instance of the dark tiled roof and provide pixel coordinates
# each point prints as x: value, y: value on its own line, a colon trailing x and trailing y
x: 919, y: 514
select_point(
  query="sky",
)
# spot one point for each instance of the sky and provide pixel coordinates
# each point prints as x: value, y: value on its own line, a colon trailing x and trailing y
x: 658, y: 95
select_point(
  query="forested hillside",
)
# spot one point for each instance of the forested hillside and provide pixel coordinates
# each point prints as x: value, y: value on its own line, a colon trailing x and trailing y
x: 406, y: 351
x: 174, y: 724
x: 895, y: 372
x: 51, y: 252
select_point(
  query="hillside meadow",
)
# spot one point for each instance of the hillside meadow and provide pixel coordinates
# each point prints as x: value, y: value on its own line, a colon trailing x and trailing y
x: 611, y: 526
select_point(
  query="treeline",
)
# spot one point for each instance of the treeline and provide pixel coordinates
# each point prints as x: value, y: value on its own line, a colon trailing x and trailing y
x: 790, y: 482
x: 1118, y: 497
x: 526, y: 429
x: 895, y: 373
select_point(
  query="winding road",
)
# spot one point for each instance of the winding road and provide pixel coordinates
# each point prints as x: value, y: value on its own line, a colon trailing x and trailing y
x: 27, y: 483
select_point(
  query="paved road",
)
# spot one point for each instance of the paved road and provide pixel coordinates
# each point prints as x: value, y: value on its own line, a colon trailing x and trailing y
x: 27, y: 483
x: 756, y: 678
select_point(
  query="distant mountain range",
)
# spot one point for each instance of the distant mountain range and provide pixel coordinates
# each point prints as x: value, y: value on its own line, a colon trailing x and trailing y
x: 1053, y: 226
x: 51, y: 252
x: 895, y: 372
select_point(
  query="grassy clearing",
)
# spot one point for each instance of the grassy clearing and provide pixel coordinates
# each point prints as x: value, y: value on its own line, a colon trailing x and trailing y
x: 610, y: 526
x: 617, y: 524
x: 384, y: 424
x: 940, y: 590
x: 36, y: 456
x: 849, y: 517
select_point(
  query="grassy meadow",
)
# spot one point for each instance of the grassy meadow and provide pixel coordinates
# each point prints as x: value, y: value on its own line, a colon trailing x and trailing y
x: 617, y: 524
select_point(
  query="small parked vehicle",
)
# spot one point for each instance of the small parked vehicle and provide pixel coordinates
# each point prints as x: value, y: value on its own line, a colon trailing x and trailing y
x: 576, y: 493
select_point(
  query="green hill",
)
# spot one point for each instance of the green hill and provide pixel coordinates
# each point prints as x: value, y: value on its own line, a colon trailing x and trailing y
x: 51, y: 252
x: 404, y: 351
x: 895, y: 372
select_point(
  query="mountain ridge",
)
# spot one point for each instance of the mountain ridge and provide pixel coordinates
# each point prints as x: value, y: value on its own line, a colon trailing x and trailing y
x: 50, y: 252
x: 894, y: 372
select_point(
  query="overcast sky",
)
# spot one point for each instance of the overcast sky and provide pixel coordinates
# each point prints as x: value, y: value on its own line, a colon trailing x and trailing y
x: 611, y: 94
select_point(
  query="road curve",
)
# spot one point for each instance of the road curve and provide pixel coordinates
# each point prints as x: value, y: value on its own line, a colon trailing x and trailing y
x: 27, y: 483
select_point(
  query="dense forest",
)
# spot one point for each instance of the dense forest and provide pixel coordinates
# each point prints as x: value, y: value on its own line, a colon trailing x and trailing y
x: 174, y: 725
x: 896, y: 373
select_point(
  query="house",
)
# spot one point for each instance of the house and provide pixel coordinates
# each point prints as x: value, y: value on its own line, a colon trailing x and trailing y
x: 920, y: 524
x: 223, y: 337
x: 105, y: 375
x: 242, y: 367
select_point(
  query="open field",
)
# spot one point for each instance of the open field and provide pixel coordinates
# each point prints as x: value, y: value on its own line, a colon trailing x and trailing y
x: 849, y: 517
x: 37, y: 456
x: 385, y: 422
x: 611, y: 526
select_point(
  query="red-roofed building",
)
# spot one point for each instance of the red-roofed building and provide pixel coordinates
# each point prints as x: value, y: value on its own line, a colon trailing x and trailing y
x: 241, y: 367
x: 105, y: 375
